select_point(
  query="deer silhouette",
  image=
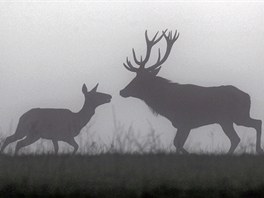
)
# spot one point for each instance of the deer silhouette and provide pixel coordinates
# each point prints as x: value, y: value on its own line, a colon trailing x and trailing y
x: 56, y: 124
x: 188, y: 106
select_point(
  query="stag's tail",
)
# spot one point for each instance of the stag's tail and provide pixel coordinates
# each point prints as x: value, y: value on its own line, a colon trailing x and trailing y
x: 242, y: 105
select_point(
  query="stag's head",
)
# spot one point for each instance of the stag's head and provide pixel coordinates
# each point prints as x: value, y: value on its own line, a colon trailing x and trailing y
x: 95, y: 98
x: 146, y: 75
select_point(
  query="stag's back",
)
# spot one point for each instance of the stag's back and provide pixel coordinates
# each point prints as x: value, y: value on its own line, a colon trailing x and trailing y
x: 199, y: 105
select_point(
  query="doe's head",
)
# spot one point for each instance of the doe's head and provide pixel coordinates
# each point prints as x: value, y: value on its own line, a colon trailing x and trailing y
x: 95, y: 98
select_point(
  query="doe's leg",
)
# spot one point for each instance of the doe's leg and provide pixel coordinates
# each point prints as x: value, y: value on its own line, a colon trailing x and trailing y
x: 25, y: 142
x: 9, y: 140
x: 56, y: 146
x: 74, y: 144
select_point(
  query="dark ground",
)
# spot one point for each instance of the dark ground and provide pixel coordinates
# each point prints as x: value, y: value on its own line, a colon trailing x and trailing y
x: 132, y: 175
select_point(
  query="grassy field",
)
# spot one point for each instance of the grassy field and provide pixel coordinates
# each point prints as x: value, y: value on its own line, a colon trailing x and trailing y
x: 130, y: 165
x: 132, y: 175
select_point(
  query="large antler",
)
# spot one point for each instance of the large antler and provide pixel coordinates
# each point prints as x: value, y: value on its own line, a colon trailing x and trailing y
x: 170, y: 41
x: 141, y: 62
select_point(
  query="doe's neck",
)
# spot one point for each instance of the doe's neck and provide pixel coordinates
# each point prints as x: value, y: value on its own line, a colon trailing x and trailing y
x: 86, y: 112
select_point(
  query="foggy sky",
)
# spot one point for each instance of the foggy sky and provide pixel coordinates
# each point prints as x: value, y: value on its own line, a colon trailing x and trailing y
x: 48, y: 50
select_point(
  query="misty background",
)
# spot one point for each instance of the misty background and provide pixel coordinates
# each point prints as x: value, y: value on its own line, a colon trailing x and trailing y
x: 49, y: 49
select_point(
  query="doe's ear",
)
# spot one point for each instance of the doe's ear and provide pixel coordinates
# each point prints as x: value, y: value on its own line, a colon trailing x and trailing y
x: 84, y: 89
x: 95, y: 88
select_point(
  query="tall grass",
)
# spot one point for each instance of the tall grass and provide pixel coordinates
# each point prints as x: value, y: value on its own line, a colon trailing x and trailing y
x: 124, y: 140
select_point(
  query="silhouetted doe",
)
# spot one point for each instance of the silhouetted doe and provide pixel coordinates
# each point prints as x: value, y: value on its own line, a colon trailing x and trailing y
x: 56, y: 124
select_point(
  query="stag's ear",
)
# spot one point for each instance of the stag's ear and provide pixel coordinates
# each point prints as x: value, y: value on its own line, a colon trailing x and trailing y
x: 84, y: 89
x: 95, y: 88
x: 155, y: 71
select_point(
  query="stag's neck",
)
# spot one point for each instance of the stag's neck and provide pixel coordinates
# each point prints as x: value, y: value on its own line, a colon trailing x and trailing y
x: 159, y: 97
x: 85, y: 114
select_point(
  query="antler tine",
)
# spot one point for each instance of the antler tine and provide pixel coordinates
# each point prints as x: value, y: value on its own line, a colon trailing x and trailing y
x: 155, y: 36
x: 158, y: 56
x: 167, y: 36
x: 156, y: 65
x: 159, y: 37
x: 150, y: 44
x: 164, y: 31
x: 170, y: 41
x: 176, y: 35
x: 129, y: 66
x: 146, y: 36
x: 135, y: 58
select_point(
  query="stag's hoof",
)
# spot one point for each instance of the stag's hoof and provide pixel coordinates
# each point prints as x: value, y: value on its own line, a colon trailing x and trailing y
x: 182, y: 151
x: 260, y: 151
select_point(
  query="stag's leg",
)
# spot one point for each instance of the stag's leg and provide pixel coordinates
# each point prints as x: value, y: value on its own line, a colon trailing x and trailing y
x: 56, y: 146
x: 256, y: 124
x: 180, y: 139
x: 9, y: 140
x: 230, y: 132
x: 25, y: 142
x: 73, y: 143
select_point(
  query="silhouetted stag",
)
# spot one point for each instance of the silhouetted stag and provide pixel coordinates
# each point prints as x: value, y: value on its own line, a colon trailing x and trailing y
x: 56, y: 124
x: 189, y: 106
